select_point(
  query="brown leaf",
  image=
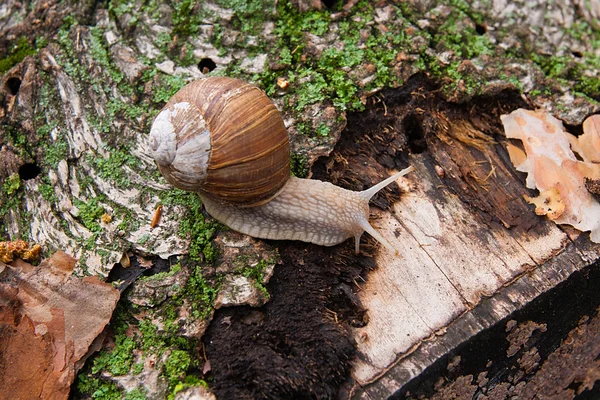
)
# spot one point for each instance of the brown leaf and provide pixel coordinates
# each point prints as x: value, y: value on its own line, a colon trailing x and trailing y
x: 48, y: 320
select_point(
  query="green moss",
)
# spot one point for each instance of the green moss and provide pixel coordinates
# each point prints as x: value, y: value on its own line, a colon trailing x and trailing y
x: 101, y: 55
x: 329, y: 76
x: 109, y: 82
x: 589, y: 85
x: 90, y: 214
x: 69, y: 60
x: 137, y: 368
x: 135, y: 394
x: 464, y: 41
x: 312, y: 91
x: 188, y: 382
x: 248, y: 17
x: 144, y: 239
x: 299, y: 165
x: 134, y: 336
x: 16, y: 136
x: 167, y: 86
x: 257, y: 274
x: 120, y: 8
x: 58, y: 151
x: 16, y: 53
x: 151, y: 341
x: 48, y: 192
x: 111, y: 168
x: 466, y: 8
x: 176, y: 366
x: 175, y: 269
x: 186, y: 19
x: 323, y: 130
x: 119, y: 360
x: 193, y: 224
x: 97, y: 388
x: 11, y: 184
x: 200, y: 293
x: 11, y: 200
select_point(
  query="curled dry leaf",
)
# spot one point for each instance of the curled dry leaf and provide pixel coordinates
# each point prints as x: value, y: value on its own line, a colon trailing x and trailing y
x: 555, y: 170
x: 48, y: 320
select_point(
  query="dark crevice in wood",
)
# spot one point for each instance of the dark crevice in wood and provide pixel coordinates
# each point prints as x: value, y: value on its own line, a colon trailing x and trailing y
x: 559, y: 310
x: 29, y: 171
x: 13, y: 85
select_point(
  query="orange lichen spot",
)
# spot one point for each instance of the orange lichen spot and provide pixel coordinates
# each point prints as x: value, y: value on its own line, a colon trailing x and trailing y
x: 590, y: 140
x: 549, y: 127
x: 520, y: 121
x: 9, y: 251
x: 106, y: 218
x: 516, y: 154
x: 558, y: 164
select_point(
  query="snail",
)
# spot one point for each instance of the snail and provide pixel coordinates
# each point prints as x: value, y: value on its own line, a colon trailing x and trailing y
x: 225, y: 139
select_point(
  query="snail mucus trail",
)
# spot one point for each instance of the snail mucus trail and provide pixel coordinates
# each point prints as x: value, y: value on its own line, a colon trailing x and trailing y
x: 225, y: 139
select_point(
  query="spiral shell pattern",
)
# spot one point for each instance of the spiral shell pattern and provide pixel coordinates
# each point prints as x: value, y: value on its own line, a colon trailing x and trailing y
x: 224, y: 138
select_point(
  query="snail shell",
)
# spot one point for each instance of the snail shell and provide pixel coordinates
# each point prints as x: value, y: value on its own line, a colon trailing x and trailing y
x: 224, y: 138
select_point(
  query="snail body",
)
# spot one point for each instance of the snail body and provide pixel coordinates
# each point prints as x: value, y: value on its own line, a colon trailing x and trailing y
x: 224, y: 138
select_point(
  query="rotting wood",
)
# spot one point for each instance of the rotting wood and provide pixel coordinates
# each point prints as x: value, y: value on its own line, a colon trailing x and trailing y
x: 547, y: 349
x: 461, y: 270
x: 483, y: 274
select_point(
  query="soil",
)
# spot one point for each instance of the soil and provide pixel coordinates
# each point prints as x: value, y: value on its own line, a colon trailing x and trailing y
x: 298, y: 345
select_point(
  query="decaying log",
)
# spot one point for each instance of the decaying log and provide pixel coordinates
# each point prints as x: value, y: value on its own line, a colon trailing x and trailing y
x: 76, y: 104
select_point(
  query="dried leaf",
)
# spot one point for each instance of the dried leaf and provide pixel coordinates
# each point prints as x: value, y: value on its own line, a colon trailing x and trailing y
x: 48, y: 320
x: 553, y: 168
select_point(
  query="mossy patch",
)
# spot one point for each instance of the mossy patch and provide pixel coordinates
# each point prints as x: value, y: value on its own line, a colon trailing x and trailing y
x: 256, y: 272
x: 136, y: 337
x: 97, y: 388
x: 16, y: 53
x: 112, y: 168
x: 298, y: 165
x: 194, y: 225
x: 90, y: 213
x: 119, y: 360
x: 11, y: 184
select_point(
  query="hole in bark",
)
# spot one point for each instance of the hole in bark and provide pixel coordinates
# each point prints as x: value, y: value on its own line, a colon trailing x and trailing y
x: 574, y: 386
x: 206, y: 65
x: 480, y: 29
x: 29, y: 171
x: 576, y: 130
x: 13, y: 85
x: 414, y: 131
x: 127, y: 275
x: 331, y: 3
